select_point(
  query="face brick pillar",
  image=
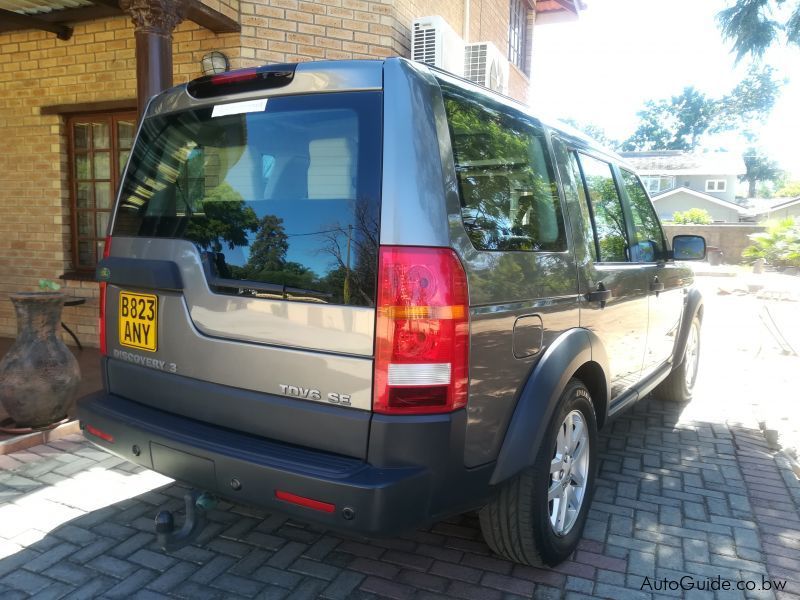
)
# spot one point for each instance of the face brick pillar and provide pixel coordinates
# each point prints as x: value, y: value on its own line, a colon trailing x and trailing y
x: 154, y: 21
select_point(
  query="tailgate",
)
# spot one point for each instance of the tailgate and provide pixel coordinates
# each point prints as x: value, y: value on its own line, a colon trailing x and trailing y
x: 244, y: 254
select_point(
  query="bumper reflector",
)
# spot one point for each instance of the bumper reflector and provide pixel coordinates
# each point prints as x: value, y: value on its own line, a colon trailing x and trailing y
x: 306, y: 502
x: 100, y: 434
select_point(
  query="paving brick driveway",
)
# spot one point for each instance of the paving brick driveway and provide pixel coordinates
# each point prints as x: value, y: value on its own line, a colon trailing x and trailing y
x: 683, y: 491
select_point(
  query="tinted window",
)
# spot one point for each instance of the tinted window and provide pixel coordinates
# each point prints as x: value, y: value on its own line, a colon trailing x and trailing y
x: 604, y: 201
x: 649, y: 245
x: 282, y: 202
x: 509, y: 199
x: 575, y: 191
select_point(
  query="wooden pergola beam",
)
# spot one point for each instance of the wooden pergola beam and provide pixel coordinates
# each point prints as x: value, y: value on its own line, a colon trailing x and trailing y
x: 56, y: 21
x: 557, y: 5
x: 199, y: 13
x: 211, y: 19
x: 18, y: 21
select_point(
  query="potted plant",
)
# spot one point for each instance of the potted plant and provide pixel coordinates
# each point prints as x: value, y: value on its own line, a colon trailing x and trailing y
x: 38, y: 375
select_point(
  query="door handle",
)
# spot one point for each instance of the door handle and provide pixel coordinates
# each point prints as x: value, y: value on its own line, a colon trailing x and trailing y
x: 656, y: 286
x: 601, y: 295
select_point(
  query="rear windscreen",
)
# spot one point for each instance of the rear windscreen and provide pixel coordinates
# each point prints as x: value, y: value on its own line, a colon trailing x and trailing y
x: 281, y: 196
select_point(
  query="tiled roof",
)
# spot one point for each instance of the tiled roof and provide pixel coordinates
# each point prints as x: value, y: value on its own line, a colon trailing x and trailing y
x: 675, y: 162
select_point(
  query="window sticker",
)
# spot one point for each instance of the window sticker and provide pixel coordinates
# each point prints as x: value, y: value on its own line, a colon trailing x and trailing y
x: 238, y: 108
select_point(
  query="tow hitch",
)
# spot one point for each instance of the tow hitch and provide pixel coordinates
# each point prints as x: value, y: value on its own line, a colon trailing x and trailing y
x: 197, y: 504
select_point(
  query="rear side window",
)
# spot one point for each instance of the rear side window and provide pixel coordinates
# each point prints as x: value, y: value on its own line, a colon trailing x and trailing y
x: 509, y: 199
x: 650, y: 245
x: 604, y: 202
x: 282, y: 202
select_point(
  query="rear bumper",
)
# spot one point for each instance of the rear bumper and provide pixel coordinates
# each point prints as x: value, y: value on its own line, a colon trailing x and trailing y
x: 414, y: 474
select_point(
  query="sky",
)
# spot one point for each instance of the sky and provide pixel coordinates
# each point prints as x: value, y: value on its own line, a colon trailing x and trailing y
x: 620, y: 53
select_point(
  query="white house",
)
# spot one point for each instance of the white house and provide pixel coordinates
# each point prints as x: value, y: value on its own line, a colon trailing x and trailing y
x: 678, y: 181
x: 682, y: 199
x: 782, y: 210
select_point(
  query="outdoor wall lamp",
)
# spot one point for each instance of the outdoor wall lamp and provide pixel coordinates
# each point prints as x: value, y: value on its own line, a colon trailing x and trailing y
x: 214, y: 62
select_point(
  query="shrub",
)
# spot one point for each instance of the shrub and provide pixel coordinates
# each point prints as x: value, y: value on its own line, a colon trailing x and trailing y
x: 697, y: 216
x: 779, y: 245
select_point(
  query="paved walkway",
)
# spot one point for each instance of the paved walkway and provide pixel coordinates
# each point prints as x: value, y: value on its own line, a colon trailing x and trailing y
x: 677, y: 497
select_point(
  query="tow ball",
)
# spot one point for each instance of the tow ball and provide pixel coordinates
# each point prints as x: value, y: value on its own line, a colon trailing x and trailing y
x: 197, y: 505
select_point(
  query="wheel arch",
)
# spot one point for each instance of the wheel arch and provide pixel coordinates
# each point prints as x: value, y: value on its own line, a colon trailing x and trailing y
x: 694, y: 307
x: 576, y: 353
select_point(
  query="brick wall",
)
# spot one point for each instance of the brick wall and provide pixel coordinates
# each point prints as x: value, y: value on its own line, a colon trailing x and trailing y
x: 730, y: 238
x: 293, y: 31
x: 36, y: 69
x: 489, y: 22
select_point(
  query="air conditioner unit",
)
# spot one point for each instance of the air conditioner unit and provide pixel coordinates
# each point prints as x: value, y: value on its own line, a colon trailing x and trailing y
x: 486, y: 65
x: 435, y: 43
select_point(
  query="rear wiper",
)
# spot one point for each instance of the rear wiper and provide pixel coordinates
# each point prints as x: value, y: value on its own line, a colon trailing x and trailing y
x: 261, y: 286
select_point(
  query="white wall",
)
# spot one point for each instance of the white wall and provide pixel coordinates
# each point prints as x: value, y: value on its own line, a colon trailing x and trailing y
x: 682, y: 202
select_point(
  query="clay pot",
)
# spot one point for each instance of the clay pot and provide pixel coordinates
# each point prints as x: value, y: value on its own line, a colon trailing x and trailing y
x: 38, y: 375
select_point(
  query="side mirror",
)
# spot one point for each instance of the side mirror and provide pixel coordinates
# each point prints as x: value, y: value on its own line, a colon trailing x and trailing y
x: 688, y: 247
x: 644, y: 251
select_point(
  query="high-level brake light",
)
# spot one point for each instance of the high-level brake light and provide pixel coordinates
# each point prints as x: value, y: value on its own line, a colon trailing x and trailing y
x: 252, y: 79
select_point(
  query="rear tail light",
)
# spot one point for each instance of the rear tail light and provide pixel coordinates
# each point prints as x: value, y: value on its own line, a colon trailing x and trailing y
x: 103, y: 284
x: 422, y: 331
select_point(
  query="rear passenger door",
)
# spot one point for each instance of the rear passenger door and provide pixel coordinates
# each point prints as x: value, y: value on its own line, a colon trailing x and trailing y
x: 510, y: 232
x: 613, y: 288
x: 665, y: 280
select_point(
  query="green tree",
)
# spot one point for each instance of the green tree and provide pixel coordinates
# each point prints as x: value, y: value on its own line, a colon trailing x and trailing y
x: 268, y: 250
x: 760, y: 168
x: 682, y: 122
x: 750, y: 102
x: 697, y: 216
x: 221, y: 219
x: 594, y: 131
x: 677, y: 123
x: 790, y: 189
x: 752, y: 26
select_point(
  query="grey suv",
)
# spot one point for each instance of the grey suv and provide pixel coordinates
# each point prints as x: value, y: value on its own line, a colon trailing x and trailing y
x: 371, y: 295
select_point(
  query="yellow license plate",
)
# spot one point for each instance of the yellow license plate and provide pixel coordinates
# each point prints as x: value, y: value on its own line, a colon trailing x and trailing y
x: 138, y: 321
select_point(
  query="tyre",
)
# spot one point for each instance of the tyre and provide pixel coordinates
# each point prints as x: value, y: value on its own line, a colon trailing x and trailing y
x: 537, y: 517
x: 679, y: 384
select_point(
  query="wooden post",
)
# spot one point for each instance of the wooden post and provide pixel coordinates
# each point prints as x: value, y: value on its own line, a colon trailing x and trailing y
x: 154, y: 21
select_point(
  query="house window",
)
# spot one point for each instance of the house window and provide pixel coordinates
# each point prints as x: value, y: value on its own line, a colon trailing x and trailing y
x: 517, y: 34
x: 656, y: 184
x: 716, y: 185
x: 99, y: 145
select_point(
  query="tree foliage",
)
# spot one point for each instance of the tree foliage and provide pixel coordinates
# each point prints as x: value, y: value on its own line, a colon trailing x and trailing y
x: 594, y: 131
x: 760, y: 168
x: 682, y: 122
x: 779, y: 245
x: 677, y: 123
x: 696, y: 216
x: 221, y: 219
x: 790, y: 189
x: 268, y: 250
x: 752, y: 26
